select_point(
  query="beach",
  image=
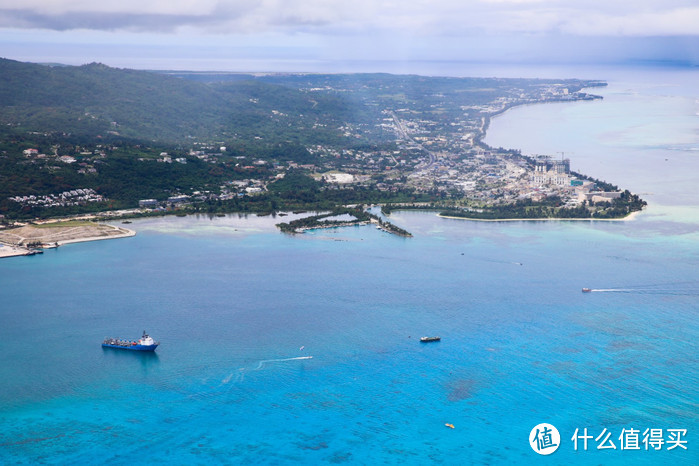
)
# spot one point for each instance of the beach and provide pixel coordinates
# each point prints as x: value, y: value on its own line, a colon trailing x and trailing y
x: 628, y: 218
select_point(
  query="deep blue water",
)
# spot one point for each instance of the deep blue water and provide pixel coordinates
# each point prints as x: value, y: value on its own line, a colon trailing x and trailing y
x: 235, y: 304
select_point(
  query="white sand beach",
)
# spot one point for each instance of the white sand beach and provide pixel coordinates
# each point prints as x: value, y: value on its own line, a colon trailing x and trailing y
x: 629, y: 217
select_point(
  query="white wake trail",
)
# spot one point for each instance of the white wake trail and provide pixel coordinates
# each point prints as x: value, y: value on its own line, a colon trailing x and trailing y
x: 266, y: 361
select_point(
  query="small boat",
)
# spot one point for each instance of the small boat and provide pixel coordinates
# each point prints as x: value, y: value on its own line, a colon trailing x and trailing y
x: 586, y: 290
x: 429, y: 339
x: 145, y: 343
x: 451, y: 426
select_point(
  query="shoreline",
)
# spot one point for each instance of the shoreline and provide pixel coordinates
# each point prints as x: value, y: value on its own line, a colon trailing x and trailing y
x: 15, y: 250
x: 126, y: 233
x: 628, y: 218
x: 491, y: 117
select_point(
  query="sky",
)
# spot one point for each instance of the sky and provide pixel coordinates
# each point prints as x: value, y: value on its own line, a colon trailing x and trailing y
x: 361, y: 35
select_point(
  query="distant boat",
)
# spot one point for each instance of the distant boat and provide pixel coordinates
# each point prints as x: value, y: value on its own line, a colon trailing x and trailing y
x: 145, y: 343
x: 586, y: 290
x: 429, y: 339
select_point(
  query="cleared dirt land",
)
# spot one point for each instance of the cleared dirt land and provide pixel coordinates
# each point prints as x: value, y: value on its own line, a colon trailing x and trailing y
x: 55, y: 234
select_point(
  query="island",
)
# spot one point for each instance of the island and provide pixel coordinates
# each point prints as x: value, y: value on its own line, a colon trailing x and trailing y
x: 279, y: 142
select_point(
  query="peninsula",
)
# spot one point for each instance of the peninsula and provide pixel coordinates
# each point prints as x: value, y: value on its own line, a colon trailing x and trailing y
x: 155, y: 143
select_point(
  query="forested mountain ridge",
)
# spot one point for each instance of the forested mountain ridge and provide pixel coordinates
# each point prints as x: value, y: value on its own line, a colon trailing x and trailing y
x: 97, y: 100
x: 256, y: 112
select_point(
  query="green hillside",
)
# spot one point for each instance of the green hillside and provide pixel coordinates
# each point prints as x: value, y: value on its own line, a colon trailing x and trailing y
x: 77, y: 139
x: 95, y: 99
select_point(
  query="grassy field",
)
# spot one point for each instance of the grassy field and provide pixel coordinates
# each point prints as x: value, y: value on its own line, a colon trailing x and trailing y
x: 66, y: 223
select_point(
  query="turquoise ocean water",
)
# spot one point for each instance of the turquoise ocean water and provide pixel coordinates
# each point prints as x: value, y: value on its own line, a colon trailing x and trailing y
x: 239, y: 308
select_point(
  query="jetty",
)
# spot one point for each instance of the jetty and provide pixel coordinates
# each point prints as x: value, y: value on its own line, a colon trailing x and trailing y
x: 358, y: 217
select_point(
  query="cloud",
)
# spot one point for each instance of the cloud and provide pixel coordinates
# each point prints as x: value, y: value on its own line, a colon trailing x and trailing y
x: 97, y: 21
x: 247, y: 16
x: 150, y: 7
x: 126, y: 15
x: 677, y: 22
x: 332, y: 17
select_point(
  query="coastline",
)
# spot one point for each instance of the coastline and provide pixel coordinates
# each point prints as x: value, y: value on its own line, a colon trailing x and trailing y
x: 486, y: 124
x: 13, y: 251
x: 125, y: 233
x: 479, y: 141
x: 628, y: 218
x: 51, y: 240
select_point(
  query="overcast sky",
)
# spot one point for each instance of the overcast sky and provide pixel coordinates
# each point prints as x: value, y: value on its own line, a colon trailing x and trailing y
x: 252, y: 35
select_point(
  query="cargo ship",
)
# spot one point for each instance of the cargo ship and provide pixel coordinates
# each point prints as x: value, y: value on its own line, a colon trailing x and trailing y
x: 145, y: 343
